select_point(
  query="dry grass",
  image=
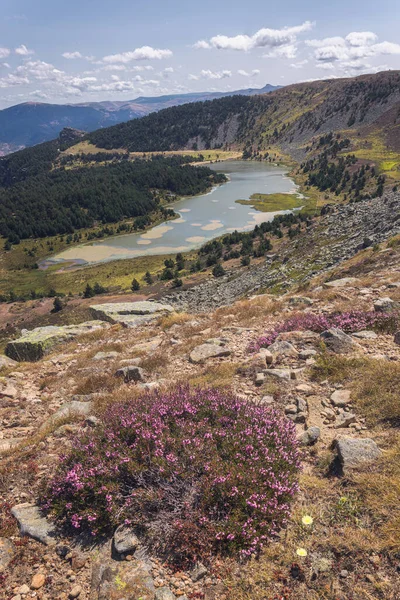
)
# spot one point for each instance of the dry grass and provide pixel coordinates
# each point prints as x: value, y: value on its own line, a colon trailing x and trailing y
x: 156, y: 362
x: 97, y: 384
x: 246, y: 312
x: 219, y: 375
x: 375, y: 384
x: 174, y: 319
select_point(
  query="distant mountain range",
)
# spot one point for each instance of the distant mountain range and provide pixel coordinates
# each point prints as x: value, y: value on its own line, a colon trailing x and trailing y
x: 32, y: 123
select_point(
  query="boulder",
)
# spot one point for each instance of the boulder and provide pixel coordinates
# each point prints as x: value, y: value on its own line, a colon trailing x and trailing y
x: 282, y: 349
x: 279, y: 373
x: 33, y: 345
x: 73, y: 408
x: 130, y: 314
x: 355, y: 452
x: 345, y: 419
x: 338, y: 341
x: 295, y: 300
x: 310, y: 436
x: 33, y: 523
x: 125, y: 540
x: 385, y: 305
x: 105, y: 355
x: 365, y: 335
x: 340, y: 283
x: 205, y: 351
x: 121, y: 580
x: 6, y: 362
x: 198, y: 572
x: 7, y: 553
x: 340, y: 398
x: 396, y: 338
x: 131, y: 373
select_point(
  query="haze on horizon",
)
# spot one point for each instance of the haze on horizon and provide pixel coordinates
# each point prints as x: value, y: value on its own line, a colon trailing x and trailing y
x: 90, y: 51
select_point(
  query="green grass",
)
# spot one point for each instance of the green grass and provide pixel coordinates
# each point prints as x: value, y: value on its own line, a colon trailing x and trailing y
x: 273, y: 202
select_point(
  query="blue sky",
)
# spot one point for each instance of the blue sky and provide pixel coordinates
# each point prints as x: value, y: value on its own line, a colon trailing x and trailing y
x: 89, y: 50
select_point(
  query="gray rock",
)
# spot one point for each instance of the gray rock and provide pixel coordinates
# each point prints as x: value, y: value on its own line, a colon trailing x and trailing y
x: 7, y: 553
x: 338, y: 341
x: 340, y: 398
x: 105, y: 355
x: 260, y: 379
x: 131, y: 373
x: 6, y: 362
x: 354, y: 452
x: 291, y: 409
x: 278, y: 374
x: 340, y: 283
x: 306, y: 354
x: 130, y: 314
x: 35, y: 344
x: 282, y: 349
x: 125, y: 540
x: 385, y: 305
x: 295, y: 300
x: 310, y: 436
x: 396, y: 338
x: 205, y: 351
x: 33, y: 523
x: 68, y: 409
x: 365, y: 335
x: 164, y: 593
x: 198, y: 572
x: 345, y: 419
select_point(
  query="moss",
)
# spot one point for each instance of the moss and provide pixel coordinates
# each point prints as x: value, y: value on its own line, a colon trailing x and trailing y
x: 273, y: 202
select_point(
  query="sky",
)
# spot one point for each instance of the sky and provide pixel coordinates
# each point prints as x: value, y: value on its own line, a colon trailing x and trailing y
x: 92, y: 50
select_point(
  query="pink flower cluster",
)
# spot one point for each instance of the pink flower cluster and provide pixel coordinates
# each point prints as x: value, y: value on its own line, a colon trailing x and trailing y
x: 348, y: 322
x: 195, y: 471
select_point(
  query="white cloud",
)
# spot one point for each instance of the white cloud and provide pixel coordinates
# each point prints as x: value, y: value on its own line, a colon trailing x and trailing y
x: 252, y: 73
x: 207, y: 74
x: 72, y: 55
x: 4, y: 52
x: 114, y: 68
x: 193, y: 77
x: 263, y: 38
x: 356, y: 46
x: 13, y: 80
x: 202, y: 45
x: 143, y: 53
x: 288, y: 51
x: 23, y: 51
x: 169, y: 70
x: 300, y: 64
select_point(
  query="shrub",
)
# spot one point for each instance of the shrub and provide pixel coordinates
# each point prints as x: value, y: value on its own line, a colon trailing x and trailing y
x: 218, y: 270
x: 347, y: 321
x: 193, y: 471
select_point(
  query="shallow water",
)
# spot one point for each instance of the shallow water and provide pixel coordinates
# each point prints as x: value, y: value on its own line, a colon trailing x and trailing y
x: 201, y: 218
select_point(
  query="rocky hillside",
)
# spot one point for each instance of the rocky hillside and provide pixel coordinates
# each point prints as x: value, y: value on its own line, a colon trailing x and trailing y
x: 318, y: 346
x: 290, y: 116
x: 32, y: 123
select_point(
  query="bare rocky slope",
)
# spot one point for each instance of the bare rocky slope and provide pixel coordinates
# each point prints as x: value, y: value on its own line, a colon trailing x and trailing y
x: 342, y: 396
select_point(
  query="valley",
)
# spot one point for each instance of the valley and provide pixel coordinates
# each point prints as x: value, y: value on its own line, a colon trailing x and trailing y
x: 200, y: 350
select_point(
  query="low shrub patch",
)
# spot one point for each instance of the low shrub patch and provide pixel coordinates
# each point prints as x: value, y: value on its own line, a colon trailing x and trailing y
x: 349, y: 322
x: 194, y: 471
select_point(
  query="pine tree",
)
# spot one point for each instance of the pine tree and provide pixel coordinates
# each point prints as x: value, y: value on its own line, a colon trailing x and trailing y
x: 148, y: 278
x: 135, y: 286
x: 57, y: 305
x: 89, y: 292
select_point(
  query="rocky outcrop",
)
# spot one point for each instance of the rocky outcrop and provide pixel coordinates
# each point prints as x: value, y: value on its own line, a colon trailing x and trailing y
x: 205, y: 351
x: 130, y: 314
x: 33, y: 345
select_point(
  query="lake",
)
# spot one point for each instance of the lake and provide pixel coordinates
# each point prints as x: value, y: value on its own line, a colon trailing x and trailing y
x: 201, y: 218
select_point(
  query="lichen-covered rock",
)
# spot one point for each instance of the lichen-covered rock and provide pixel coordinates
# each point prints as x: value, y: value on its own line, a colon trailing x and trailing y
x: 131, y: 373
x: 130, y: 314
x: 33, y: 345
x: 340, y: 283
x: 310, y: 436
x: 33, y: 523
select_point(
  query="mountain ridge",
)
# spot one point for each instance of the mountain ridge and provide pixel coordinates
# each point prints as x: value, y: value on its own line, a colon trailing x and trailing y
x: 31, y: 123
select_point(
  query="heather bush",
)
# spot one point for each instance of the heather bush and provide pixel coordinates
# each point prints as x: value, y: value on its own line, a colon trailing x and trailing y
x: 348, y: 322
x: 194, y: 471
